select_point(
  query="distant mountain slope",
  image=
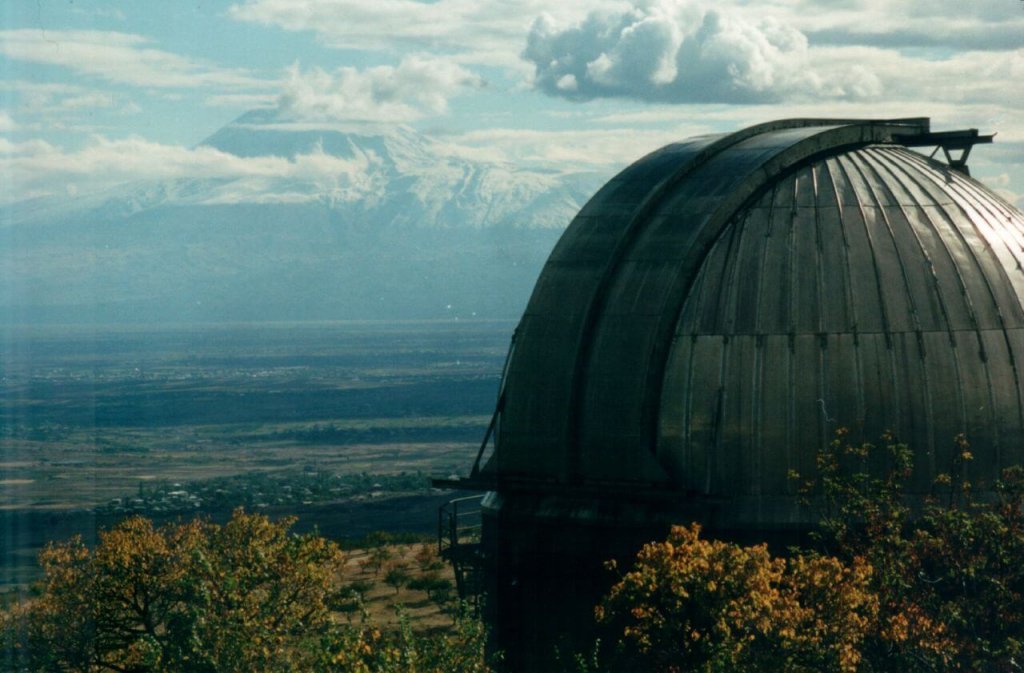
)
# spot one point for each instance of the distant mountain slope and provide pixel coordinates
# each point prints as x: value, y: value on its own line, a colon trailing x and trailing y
x: 358, y: 226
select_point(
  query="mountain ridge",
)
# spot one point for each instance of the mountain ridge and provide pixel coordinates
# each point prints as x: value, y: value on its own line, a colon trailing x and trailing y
x: 318, y: 224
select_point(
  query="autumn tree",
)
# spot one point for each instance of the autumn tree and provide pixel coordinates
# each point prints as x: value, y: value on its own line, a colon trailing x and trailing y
x: 194, y: 597
x: 947, y: 568
x: 368, y: 649
x: 691, y: 604
x: 899, y: 583
x: 198, y: 597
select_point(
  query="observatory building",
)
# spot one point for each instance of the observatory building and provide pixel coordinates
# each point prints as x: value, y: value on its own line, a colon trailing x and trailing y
x: 708, y: 320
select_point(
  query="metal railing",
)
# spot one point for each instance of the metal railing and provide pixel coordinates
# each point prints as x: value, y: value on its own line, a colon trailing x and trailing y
x: 459, y: 523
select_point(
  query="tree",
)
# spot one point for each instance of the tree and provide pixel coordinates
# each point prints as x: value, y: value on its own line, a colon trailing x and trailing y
x: 438, y: 589
x: 397, y: 576
x: 948, y: 575
x: 428, y: 558
x: 691, y: 604
x: 906, y: 585
x: 194, y: 597
x: 367, y: 649
x: 197, y: 597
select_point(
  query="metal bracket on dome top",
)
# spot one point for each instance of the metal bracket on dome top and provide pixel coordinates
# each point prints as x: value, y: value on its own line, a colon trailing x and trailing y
x: 947, y: 141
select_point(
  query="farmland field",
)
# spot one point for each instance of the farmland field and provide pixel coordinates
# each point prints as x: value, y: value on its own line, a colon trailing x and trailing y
x: 93, y: 419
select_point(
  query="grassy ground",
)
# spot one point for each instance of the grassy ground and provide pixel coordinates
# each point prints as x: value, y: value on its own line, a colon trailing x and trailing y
x: 381, y: 600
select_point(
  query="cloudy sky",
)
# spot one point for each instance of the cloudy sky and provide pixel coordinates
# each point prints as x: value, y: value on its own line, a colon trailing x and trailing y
x: 93, y: 92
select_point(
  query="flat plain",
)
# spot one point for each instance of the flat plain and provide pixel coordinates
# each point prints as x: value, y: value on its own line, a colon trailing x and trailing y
x: 94, y: 416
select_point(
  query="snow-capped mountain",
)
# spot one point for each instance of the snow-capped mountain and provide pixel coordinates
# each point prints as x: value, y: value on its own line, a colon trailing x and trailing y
x: 307, y: 224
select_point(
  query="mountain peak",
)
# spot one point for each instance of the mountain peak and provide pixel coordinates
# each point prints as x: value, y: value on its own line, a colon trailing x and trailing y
x: 287, y: 221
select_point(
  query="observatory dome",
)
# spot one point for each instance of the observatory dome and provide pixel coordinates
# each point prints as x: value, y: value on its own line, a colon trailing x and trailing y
x: 720, y: 307
x: 709, y: 319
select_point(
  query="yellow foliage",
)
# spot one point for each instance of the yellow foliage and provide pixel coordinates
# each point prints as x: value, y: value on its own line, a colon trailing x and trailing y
x: 739, y: 608
x: 197, y: 597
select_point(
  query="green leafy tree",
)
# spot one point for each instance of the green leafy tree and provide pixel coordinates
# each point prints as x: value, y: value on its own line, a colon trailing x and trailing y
x: 438, y: 589
x: 949, y: 577
x: 397, y: 576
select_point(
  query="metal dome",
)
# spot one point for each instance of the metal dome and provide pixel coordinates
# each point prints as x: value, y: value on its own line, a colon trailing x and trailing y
x: 709, y: 318
x: 720, y: 306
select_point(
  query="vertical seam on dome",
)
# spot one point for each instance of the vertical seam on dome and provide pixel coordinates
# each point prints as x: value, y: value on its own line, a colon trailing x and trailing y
x: 819, y: 264
x: 819, y: 269
x: 895, y: 172
x: 977, y: 334
x: 756, y: 439
x: 687, y: 457
x: 966, y: 195
x: 896, y: 161
x: 911, y: 158
x: 905, y: 156
x: 727, y: 300
x: 991, y: 205
x: 883, y: 308
x: 758, y: 327
x: 832, y: 164
x: 858, y: 158
x: 791, y: 409
x: 700, y: 285
x: 850, y: 305
x: 791, y: 275
x: 711, y: 458
x: 757, y: 421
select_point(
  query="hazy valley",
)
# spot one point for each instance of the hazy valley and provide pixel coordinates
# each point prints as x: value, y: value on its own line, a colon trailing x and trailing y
x: 340, y: 423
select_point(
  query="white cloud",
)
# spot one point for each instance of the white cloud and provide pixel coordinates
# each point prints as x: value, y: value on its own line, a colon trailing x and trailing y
x: 28, y: 147
x: 242, y: 100
x: 684, y: 51
x: 1002, y: 184
x: 966, y: 78
x: 943, y: 25
x: 56, y: 106
x: 604, y: 149
x: 415, y: 88
x: 676, y: 51
x: 472, y: 31
x: 89, y: 100
x: 40, y: 168
x: 7, y: 123
x: 123, y: 58
x: 731, y: 51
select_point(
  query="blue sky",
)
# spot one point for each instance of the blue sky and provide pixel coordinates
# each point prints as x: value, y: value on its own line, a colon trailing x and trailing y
x: 93, y: 93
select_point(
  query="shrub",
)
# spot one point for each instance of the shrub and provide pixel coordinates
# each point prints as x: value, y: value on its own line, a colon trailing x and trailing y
x: 897, y: 585
x: 703, y: 605
x: 202, y: 598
